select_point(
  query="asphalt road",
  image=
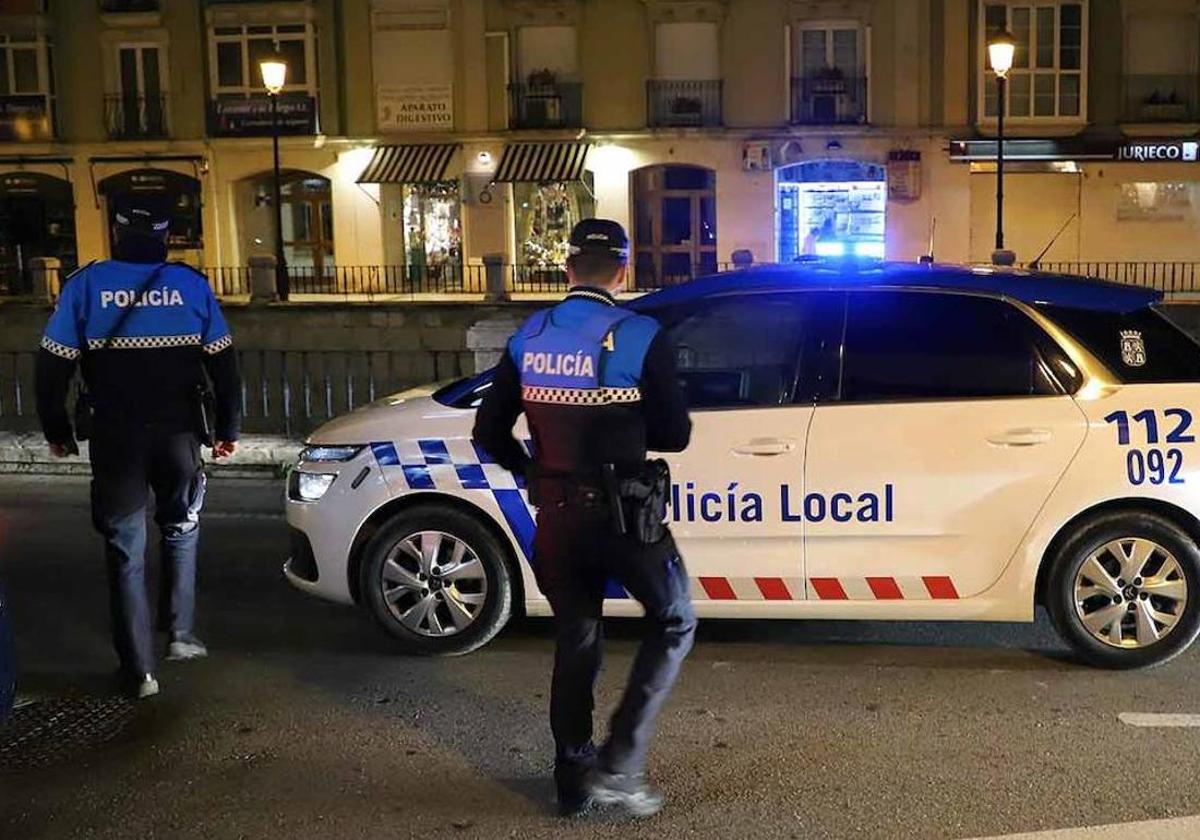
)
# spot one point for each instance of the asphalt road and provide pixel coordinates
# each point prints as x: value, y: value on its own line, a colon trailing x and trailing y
x: 306, y: 723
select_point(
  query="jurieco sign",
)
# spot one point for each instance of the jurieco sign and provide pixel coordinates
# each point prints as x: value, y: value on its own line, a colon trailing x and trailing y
x: 1184, y: 151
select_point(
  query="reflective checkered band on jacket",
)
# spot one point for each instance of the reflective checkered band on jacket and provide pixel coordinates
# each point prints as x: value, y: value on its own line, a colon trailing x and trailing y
x: 60, y: 350
x: 144, y: 342
x: 580, y: 396
x: 217, y: 346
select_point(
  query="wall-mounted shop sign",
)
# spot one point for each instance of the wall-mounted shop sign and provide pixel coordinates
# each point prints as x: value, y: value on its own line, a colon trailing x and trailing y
x: 251, y: 116
x: 415, y: 108
x: 904, y: 174
x: 1078, y: 149
x: 1160, y: 150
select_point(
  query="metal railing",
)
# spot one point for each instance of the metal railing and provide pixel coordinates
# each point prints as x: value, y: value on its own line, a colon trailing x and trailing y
x: 678, y: 104
x: 135, y: 117
x: 545, y: 279
x: 546, y: 105
x: 1168, y: 277
x: 401, y: 280
x: 288, y: 392
x: 829, y: 99
x: 1161, y: 98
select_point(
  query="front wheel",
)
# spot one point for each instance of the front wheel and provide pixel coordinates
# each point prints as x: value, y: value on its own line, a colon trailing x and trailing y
x: 1125, y: 590
x: 436, y: 579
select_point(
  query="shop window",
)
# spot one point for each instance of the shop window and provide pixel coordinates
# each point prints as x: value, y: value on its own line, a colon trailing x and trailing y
x: 1049, y: 74
x: 433, y: 233
x: 675, y: 224
x: 236, y: 51
x: 37, y: 219
x: 545, y: 214
x: 1155, y: 201
x: 832, y: 208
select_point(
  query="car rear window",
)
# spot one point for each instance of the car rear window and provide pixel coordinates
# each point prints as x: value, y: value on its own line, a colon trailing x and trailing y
x: 1138, y: 346
x: 464, y: 393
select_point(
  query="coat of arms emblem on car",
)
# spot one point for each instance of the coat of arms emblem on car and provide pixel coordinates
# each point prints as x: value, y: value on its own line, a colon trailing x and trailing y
x: 1133, y: 349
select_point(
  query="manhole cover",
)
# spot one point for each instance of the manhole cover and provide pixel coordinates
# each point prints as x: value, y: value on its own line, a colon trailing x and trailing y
x: 46, y: 731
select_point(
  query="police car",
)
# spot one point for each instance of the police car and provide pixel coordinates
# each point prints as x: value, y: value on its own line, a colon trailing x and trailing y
x: 870, y: 441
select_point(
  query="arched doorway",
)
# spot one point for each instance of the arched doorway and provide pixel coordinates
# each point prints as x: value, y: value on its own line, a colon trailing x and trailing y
x: 675, y: 224
x: 831, y: 208
x: 181, y: 192
x: 37, y: 219
x: 307, y: 211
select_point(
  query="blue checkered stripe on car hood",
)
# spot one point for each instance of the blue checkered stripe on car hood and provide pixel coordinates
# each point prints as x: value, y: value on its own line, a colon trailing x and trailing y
x: 457, y: 465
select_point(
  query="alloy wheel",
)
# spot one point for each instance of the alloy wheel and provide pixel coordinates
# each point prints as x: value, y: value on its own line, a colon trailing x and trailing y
x: 1130, y: 593
x: 434, y: 583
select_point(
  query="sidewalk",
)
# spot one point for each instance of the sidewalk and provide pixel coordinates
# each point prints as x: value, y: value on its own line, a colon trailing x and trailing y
x: 257, y: 456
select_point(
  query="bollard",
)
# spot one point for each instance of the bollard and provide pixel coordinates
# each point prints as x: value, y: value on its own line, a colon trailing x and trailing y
x: 493, y: 269
x: 46, y: 273
x: 262, y: 278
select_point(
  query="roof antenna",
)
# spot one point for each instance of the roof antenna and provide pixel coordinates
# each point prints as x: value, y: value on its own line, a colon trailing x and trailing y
x: 1033, y: 266
x: 927, y: 259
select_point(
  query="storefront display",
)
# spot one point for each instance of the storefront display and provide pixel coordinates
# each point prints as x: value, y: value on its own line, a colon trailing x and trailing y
x: 433, y: 233
x: 37, y: 219
x: 545, y: 214
x: 832, y: 209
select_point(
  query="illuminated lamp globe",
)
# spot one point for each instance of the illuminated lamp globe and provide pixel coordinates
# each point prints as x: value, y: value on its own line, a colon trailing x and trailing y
x: 1001, y: 49
x: 274, y: 73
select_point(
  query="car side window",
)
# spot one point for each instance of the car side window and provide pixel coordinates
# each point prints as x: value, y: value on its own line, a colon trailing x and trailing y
x: 738, y: 351
x: 930, y: 346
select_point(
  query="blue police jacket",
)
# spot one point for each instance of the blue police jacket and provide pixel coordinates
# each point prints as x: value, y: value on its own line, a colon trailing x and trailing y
x: 143, y: 343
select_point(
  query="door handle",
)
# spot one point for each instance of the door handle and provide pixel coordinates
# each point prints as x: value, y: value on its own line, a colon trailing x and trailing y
x: 760, y: 447
x: 1020, y: 437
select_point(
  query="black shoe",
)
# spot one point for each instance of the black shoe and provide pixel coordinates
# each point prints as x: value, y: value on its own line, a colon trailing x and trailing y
x: 631, y: 793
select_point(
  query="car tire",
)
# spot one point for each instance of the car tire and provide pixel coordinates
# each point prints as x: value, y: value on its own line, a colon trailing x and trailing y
x: 432, y: 535
x: 1098, y: 541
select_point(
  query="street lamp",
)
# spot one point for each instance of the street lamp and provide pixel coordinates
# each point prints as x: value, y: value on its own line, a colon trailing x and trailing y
x: 1001, y: 48
x: 274, y: 76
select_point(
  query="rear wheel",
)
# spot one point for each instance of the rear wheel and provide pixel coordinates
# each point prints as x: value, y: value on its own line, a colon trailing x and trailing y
x: 436, y: 579
x: 1125, y: 590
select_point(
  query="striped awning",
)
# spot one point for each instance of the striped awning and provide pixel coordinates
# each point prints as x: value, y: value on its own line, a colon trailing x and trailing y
x: 415, y: 164
x: 542, y: 162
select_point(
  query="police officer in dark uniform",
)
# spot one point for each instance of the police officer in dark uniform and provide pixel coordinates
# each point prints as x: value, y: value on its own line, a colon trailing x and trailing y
x: 144, y: 333
x: 598, y: 387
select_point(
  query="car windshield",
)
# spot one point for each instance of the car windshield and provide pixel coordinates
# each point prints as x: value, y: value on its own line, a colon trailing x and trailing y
x: 1142, y: 346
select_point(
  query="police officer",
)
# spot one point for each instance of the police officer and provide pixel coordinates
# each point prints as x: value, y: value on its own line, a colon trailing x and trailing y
x: 598, y: 387
x: 143, y: 332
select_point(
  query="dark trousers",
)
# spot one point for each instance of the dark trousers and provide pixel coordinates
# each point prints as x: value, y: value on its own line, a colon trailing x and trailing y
x: 576, y: 553
x: 128, y: 461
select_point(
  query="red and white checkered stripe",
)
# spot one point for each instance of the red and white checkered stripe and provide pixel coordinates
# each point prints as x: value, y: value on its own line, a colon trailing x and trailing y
x: 907, y: 588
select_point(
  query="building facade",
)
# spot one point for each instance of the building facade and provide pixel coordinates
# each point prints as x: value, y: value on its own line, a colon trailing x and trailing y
x: 424, y: 135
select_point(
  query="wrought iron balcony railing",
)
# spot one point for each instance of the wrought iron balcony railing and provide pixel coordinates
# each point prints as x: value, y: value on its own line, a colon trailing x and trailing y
x: 135, y: 117
x: 551, y: 104
x: 680, y: 104
x: 829, y: 98
x: 1159, y: 99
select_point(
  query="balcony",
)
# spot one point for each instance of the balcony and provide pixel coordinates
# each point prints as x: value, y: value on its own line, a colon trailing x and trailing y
x: 1161, y: 99
x: 545, y: 103
x: 135, y: 117
x: 117, y: 6
x: 672, y: 104
x: 829, y: 98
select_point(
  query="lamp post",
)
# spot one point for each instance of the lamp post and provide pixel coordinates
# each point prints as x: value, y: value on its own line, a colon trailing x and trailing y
x: 1001, y: 48
x: 274, y: 77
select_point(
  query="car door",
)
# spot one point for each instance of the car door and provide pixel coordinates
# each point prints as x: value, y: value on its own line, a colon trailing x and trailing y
x: 738, y: 359
x: 944, y: 437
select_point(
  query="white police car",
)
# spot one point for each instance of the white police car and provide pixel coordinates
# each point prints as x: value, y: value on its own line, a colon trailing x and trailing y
x: 875, y: 442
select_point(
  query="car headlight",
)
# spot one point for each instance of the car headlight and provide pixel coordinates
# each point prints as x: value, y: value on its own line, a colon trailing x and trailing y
x: 310, y: 487
x: 336, y: 454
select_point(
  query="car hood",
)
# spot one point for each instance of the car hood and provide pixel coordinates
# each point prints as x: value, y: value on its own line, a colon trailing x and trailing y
x: 391, y: 418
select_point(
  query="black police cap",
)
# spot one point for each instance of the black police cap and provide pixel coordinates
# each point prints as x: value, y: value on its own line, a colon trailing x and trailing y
x: 599, y: 236
x: 147, y: 215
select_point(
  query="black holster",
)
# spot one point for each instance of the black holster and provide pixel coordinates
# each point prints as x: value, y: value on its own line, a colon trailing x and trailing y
x: 84, y: 414
x: 640, y: 502
x: 203, y: 414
